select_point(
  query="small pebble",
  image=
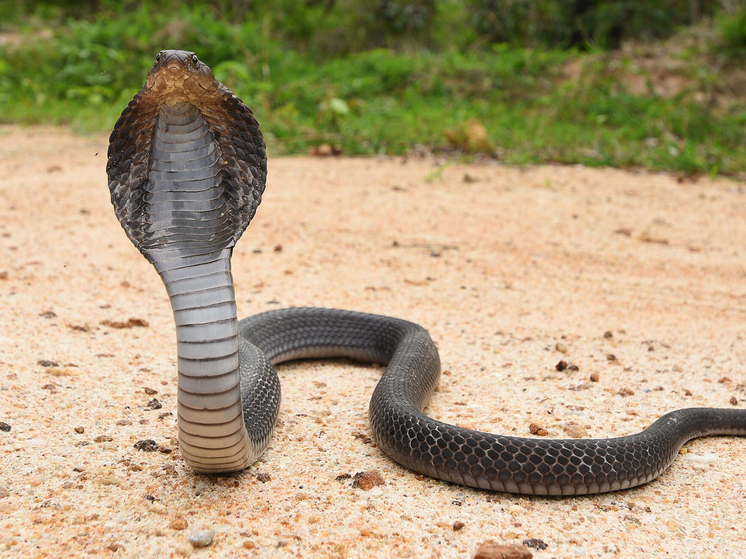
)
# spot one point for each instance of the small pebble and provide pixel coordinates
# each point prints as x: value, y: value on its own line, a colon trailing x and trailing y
x: 47, y: 363
x: 733, y: 402
x: 493, y: 550
x: 575, y: 431
x: 131, y: 323
x: 61, y: 371
x: 608, y: 335
x: 110, y: 480
x: 368, y: 480
x: 178, y: 523
x: 115, y: 547
x: 458, y: 525
x: 562, y: 348
x: 80, y: 430
x: 536, y: 429
x: 146, y: 445
x: 4, y: 427
x: 595, y: 377
x: 674, y: 526
x: 153, y: 404
x: 201, y: 538
x: 102, y: 439
x: 626, y: 392
x: 536, y: 543
x: 263, y: 477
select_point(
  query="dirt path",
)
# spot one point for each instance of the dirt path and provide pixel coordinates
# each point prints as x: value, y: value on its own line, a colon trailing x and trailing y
x: 637, y: 279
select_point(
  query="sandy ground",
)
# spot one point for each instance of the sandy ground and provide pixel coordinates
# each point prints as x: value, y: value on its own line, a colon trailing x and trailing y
x: 636, y: 278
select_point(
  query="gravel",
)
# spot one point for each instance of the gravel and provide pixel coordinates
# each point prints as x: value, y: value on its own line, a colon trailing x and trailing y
x: 525, y: 276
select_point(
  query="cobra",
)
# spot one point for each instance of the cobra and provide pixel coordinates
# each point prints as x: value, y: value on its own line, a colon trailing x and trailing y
x: 187, y: 168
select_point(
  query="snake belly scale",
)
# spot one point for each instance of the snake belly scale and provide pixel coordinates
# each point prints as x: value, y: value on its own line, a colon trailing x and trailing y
x: 186, y: 170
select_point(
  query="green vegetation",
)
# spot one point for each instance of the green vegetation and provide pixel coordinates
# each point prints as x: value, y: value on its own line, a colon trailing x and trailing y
x: 385, y: 78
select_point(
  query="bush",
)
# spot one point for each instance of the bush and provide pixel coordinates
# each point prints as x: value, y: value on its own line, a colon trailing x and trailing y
x: 513, y: 101
x: 732, y: 34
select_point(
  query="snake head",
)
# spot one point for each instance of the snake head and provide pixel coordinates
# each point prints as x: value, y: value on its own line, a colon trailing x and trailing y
x: 179, y: 75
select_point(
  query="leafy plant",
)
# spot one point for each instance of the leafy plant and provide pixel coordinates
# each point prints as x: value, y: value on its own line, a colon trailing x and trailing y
x: 528, y: 104
x: 732, y: 34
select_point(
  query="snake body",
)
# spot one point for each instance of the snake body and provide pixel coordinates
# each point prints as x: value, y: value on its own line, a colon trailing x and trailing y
x: 187, y: 169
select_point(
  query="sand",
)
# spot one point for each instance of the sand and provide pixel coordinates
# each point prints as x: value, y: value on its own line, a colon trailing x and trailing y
x: 638, y: 279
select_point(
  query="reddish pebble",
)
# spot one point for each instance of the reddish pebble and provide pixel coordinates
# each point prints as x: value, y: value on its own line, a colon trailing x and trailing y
x: 537, y: 429
x: 493, y: 550
x: 368, y: 480
x: 178, y: 523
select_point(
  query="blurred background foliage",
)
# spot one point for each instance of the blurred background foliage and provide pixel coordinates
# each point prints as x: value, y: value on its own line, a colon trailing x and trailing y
x: 657, y: 83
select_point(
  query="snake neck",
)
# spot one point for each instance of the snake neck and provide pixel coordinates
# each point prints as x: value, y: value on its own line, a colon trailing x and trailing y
x: 189, y: 244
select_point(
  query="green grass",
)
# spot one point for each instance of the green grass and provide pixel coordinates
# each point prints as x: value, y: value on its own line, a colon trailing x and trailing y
x: 376, y: 101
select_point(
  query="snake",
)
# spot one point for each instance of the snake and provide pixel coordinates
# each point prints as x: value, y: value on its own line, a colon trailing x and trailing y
x: 186, y: 169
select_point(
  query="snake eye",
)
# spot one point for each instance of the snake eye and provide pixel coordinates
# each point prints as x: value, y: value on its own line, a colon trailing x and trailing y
x: 195, y: 59
x: 157, y: 57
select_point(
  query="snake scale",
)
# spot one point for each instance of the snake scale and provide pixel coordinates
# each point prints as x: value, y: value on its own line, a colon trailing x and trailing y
x: 187, y: 169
